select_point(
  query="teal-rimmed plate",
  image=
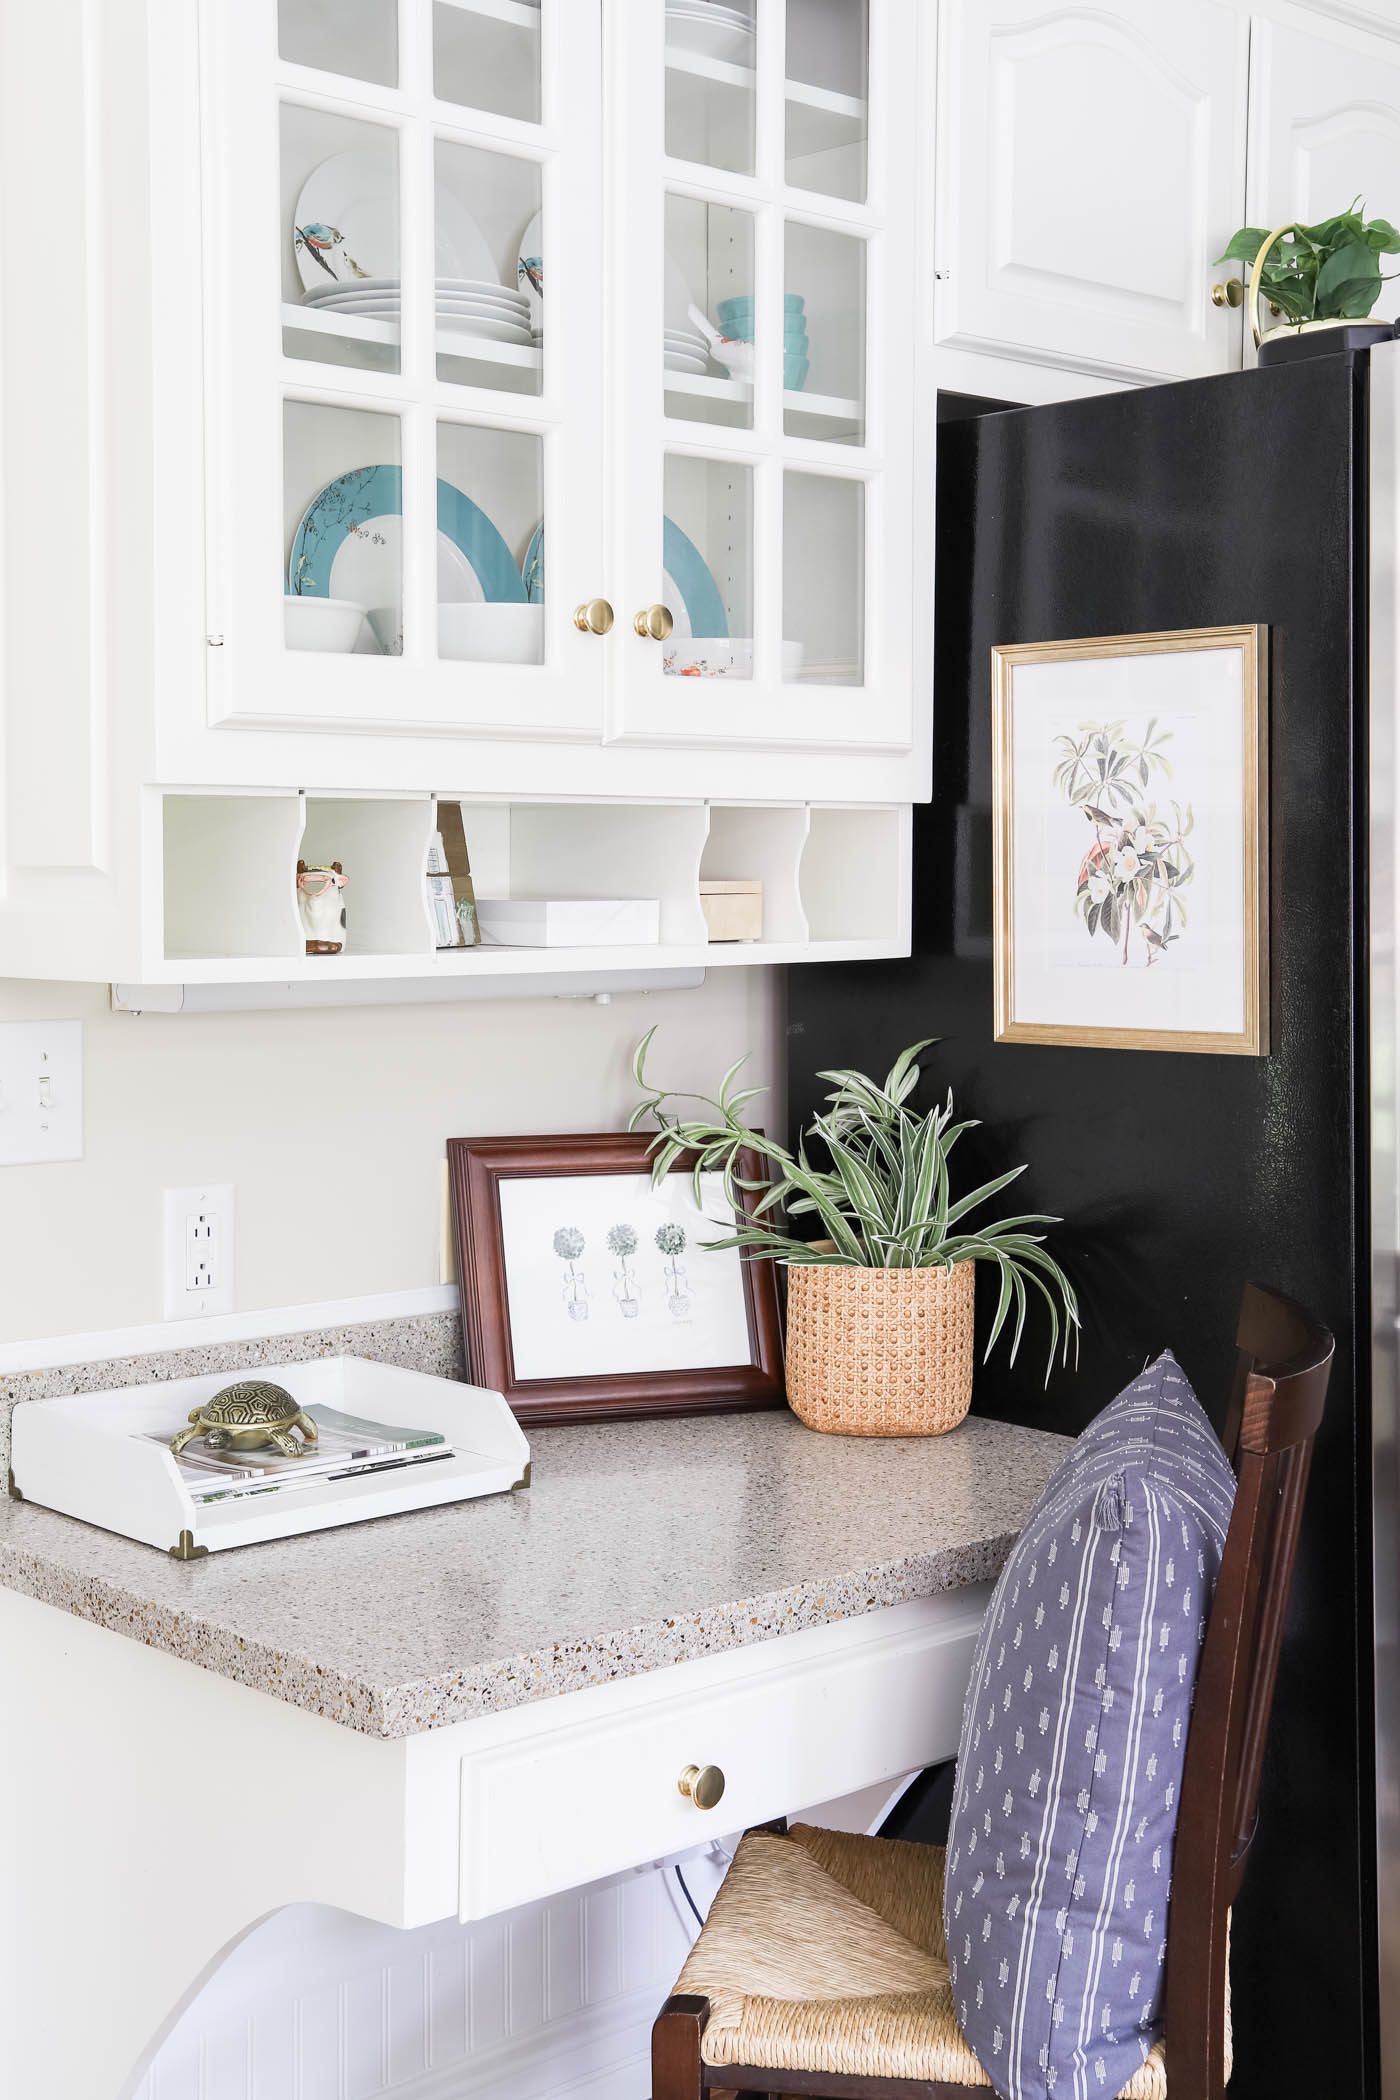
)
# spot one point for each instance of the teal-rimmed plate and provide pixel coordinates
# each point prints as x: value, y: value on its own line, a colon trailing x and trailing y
x: 695, y: 586
x: 349, y: 544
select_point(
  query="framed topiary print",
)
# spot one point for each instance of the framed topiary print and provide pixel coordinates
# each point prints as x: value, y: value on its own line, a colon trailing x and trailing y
x: 588, y: 1293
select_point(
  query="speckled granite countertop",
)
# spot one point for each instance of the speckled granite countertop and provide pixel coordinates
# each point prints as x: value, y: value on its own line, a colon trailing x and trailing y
x: 639, y: 1544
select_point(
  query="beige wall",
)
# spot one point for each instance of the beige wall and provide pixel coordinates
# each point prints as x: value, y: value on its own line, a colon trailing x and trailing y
x: 330, y: 1124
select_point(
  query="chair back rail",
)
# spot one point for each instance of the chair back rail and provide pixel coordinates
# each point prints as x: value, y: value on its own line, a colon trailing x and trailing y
x: 1284, y: 1359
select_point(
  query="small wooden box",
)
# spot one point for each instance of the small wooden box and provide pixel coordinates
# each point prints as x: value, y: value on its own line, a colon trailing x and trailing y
x: 733, y: 910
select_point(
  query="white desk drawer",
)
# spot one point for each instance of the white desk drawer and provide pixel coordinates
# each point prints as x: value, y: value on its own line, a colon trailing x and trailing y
x: 788, y: 1729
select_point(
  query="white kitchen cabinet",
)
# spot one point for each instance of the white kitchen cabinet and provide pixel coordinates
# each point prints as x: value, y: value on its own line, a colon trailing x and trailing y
x: 794, y: 480
x: 1324, y: 130
x: 310, y: 521
x: 1091, y: 166
x: 383, y: 452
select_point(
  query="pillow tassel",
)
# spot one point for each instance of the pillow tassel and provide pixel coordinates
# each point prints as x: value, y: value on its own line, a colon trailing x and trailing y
x: 1109, y: 1513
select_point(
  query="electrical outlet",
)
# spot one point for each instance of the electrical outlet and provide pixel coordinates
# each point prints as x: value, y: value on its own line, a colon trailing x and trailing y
x: 199, y: 1251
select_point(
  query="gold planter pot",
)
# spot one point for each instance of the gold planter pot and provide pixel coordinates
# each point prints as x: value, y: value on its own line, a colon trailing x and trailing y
x: 880, y: 1352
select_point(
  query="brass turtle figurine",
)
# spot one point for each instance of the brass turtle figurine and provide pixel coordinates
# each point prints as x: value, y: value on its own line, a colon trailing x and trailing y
x: 247, y: 1417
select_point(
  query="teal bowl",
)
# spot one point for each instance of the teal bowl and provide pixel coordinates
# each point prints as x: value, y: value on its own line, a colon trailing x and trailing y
x: 794, y: 339
x: 741, y: 309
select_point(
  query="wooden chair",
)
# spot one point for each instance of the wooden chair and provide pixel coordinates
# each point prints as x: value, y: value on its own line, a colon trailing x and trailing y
x: 1283, y: 1362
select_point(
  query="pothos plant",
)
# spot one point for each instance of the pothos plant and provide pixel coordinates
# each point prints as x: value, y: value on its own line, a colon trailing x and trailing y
x: 1133, y: 873
x: 1327, y: 272
x: 884, y: 1200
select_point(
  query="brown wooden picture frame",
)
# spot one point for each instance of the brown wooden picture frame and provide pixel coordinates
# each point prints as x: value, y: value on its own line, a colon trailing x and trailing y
x: 476, y: 1168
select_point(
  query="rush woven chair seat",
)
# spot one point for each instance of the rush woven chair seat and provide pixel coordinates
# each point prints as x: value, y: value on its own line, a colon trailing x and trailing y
x: 824, y: 1953
x: 822, y: 1966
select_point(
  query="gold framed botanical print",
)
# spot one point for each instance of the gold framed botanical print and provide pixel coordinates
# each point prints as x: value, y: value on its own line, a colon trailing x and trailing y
x: 1130, y: 827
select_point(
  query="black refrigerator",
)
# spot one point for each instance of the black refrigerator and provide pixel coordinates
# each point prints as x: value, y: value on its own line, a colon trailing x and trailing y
x: 1265, y: 497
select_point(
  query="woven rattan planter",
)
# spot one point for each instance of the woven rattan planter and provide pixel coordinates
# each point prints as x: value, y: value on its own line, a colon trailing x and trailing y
x: 880, y: 1352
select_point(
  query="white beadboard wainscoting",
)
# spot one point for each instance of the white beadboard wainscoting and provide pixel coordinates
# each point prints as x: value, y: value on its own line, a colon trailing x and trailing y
x: 552, y: 1999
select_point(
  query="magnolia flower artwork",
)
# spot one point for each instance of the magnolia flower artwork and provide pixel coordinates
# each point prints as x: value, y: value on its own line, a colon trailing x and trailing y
x: 1130, y: 827
x: 1129, y: 881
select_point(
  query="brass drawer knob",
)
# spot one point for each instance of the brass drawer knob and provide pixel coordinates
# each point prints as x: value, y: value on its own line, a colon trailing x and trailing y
x: 653, y: 623
x: 594, y: 616
x: 702, y: 1784
x: 1231, y: 293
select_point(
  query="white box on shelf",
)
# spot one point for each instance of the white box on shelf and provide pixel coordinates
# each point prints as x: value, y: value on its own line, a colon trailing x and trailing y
x: 569, y: 922
x: 92, y: 1455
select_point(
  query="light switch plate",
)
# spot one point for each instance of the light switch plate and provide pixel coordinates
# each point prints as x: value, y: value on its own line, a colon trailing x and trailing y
x: 41, y: 1092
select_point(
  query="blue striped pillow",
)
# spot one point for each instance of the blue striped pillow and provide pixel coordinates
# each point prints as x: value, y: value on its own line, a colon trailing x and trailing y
x: 1074, y: 1732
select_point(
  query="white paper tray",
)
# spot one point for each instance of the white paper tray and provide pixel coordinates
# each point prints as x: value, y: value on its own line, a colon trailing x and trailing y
x: 87, y: 1457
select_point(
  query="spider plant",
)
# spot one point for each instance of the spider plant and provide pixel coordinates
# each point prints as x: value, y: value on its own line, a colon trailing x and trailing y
x: 884, y: 1202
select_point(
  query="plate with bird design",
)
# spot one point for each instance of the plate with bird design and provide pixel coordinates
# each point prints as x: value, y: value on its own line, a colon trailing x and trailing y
x: 346, y: 226
x: 530, y: 270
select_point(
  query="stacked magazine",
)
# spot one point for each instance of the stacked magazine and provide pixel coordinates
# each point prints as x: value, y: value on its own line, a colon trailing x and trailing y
x: 346, y: 1445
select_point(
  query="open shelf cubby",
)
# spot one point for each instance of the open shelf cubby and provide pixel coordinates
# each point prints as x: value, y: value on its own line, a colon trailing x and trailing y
x: 593, y: 849
x: 382, y: 847
x: 750, y: 843
x: 833, y: 878
x: 855, y: 876
x: 230, y: 875
x: 230, y: 865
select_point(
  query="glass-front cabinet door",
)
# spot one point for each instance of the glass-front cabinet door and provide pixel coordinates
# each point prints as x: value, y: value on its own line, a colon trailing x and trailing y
x: 404, y: 313
x: 769, y: 261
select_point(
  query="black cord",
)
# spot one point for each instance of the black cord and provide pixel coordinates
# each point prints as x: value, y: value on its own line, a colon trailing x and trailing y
x: 689, y: 1898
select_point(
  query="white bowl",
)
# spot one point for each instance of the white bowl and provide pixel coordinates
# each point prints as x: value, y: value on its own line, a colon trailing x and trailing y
x: 386, y: 624
x: 722, y: 656
x: 332, y: 624
x: 492, y: 634
x: 483, y: 634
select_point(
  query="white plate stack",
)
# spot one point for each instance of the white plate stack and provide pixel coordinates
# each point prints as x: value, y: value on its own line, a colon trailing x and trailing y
x: 709, y: 27
x: 471, y: 306
x: 685, y: 351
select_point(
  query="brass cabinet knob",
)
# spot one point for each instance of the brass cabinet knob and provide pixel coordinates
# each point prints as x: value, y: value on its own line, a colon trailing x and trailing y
x: 702, y: 1784
x: 653, y: 624
x: 594, y: 616
x: 1231, y: 293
